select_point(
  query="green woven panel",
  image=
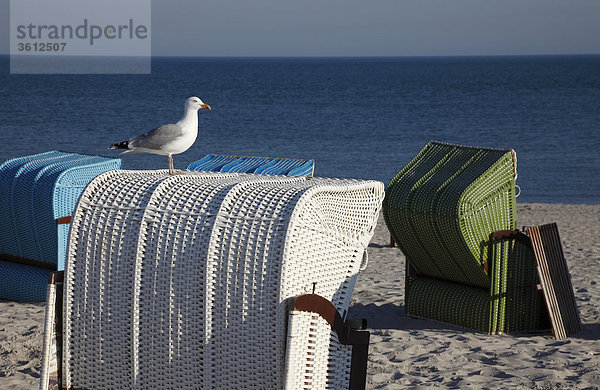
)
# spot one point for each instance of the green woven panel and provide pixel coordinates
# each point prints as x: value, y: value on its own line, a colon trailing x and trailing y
x: 397, y: 204
x: 489, y: 203
x: 512, y: 303
x: 516, y: 304
x: 448, y: 302
x: 443, y: 205
x: 478, y: 201
x: 425, y: 218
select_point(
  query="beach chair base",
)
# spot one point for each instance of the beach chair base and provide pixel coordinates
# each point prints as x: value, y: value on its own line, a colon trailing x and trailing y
x: 349, y: 332
x: 536, y: 264
x: 22, y: 282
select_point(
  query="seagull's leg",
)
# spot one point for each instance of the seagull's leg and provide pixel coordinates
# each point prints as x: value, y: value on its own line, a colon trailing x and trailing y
x: 171, y: 168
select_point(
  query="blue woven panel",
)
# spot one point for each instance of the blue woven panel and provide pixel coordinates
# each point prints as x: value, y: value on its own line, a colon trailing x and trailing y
x: 29, y: 194
x: 25, y: 283
x: 287, y: 167
x: 246, y: 164
x: 307, y: 169
x: 34, y: 192
x: 8, y: 171
x: 211, y: 163
x: 69, y: 183
x: 257, y: 165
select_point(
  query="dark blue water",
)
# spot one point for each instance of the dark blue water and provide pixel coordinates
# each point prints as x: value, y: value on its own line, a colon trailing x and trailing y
x: 363, y: 117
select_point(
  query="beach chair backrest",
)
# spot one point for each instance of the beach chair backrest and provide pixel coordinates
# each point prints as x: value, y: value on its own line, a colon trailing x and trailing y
x: 183, y: 281
x: 442, y: 207
x: 39, y: 190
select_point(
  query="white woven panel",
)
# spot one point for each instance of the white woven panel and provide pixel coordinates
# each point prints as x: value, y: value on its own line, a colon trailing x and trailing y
x: 169, y: 283
x: 337, y: 218
x: 305, y: 367
x: 243, y: 269
x: 171, y: 278
x: 48, y: 365
x: 98, y: 290
x: 180, y: 282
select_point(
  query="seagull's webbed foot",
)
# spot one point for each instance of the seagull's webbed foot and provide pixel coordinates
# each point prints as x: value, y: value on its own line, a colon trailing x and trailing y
x: 172, y: 170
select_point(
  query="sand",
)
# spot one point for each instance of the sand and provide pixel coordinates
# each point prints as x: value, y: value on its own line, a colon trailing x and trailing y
x: 413, y: 353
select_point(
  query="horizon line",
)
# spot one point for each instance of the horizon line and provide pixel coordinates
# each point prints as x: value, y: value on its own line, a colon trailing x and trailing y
x: 320, y: 56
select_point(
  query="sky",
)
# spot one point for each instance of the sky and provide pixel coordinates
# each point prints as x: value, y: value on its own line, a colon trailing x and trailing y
x: 367, y: 27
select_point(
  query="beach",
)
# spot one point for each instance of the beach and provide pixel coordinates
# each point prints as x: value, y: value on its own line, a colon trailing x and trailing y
x: 406, y: 352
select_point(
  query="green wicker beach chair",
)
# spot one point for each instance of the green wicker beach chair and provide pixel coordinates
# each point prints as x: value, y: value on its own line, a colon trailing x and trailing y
x: 452, y: 212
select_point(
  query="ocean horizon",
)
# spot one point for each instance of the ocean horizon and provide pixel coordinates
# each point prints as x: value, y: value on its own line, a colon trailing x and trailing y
x: 360, y: 117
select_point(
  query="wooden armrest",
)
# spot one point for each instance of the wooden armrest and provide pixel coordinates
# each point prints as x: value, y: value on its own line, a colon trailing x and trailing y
x: 349, y: 333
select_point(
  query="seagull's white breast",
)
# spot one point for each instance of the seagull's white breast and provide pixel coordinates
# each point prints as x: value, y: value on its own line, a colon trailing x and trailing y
x: 181, y: 143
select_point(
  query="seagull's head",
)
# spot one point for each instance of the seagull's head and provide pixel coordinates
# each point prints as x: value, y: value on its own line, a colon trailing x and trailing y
x: 194, y: 103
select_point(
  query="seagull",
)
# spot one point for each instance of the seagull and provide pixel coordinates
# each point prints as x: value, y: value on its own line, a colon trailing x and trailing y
x: 168, y: 139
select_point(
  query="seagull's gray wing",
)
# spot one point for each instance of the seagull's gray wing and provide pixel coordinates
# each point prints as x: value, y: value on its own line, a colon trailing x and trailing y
x: 156, y: 138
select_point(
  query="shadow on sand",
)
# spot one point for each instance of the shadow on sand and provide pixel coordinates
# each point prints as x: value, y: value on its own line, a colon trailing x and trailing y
x: 391, y: 316
x: 588, y: 332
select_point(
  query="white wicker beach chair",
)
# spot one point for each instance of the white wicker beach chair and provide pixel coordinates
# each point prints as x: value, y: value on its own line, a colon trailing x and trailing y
x: 206, y: 280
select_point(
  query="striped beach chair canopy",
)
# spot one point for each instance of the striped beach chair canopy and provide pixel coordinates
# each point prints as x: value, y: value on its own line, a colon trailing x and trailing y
x: 256, y: 165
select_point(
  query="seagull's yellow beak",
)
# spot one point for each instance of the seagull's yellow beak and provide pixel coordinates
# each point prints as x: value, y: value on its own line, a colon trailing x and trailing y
x: 205, y: 106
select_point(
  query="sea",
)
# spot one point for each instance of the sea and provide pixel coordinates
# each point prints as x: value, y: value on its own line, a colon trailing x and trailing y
x: 362, y: 118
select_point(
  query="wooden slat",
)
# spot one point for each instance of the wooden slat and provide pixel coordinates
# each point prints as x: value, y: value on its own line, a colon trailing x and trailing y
x: 64, y: 220
x: 555, y: 280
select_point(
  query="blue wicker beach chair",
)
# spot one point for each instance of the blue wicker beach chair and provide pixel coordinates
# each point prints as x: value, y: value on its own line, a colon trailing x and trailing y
x: 452, y: 212
x: 256, y: 165
x: 289, y: 167
x: 38, y: 194
x: 212, y: 163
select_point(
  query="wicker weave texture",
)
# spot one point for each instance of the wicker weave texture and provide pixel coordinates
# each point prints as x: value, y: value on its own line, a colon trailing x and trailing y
x: 441, y: 209
x: 35, y: 192
x: 20, y: 282
x: 512, y: 303
x: 211, y: 163
x: 306, y: 333
x: 39, y: 189
x: 515, y: 302
x: 448, y: 302
x: 256, y: 165
x: 444, y: 204
x: 9, y: 171
x: 181, y: 282
x: 48, y: 355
